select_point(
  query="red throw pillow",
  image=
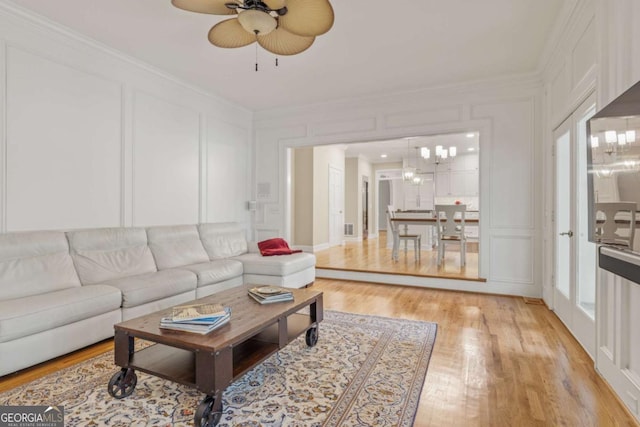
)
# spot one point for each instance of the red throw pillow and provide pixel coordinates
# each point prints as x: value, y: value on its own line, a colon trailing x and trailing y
x: 276, y: 246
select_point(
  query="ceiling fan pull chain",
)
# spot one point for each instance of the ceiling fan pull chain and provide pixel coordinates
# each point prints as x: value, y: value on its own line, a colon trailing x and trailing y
x: 256, y: 55
x: 276, y: 61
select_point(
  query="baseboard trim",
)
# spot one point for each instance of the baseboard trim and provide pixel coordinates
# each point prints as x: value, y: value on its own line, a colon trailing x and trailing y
x: 480, y: 285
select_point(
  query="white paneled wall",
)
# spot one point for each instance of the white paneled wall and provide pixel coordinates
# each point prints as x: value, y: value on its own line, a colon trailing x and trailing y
x: 505, y: 114
x: 91, y: 138
x: 512, y: 154
x: 166, y: 189
x: 228, y: 148
x: 63, y: 145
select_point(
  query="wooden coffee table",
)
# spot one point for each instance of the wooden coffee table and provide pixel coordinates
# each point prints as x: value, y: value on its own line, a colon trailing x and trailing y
x: 211, y: 362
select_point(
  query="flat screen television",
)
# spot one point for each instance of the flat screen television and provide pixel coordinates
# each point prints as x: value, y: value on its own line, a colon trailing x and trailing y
x: 613, y: 163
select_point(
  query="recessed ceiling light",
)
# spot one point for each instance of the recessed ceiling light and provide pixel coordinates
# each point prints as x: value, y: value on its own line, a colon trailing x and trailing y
x: 471, y: 135
x: 384, y: 156
x: 471, y: 149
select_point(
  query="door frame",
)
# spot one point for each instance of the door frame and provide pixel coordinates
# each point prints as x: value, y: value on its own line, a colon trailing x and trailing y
x: 365, y: 208
x: 562, y: 304
x: 335, y: 239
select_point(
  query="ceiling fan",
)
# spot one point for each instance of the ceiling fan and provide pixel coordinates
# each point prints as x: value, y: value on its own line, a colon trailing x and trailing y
x: 283, y: 27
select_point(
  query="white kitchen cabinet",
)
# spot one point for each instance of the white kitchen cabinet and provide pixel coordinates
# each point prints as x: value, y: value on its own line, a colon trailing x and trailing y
x: 442, y: 183
x: 458, y: 178
x: 418, y: 197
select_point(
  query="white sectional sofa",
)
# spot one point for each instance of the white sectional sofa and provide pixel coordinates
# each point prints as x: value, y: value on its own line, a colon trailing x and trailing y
x: 61, y: 291
x: 44, y: 309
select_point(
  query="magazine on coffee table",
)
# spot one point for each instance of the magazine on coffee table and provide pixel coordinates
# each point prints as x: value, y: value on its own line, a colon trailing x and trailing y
x: 200, y: 326
x: 188, y: 312
x: 270, y: 294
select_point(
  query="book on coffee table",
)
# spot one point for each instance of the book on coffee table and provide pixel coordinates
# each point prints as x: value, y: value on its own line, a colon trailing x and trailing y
x: 188, y: 312
x: 270, y: 294
x: 200, y: 326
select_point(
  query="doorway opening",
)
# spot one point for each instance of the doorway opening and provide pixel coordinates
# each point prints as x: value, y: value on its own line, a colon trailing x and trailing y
x: 447, y: 168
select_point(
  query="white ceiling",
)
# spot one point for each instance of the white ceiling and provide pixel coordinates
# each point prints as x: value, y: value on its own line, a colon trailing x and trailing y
x: 373, y: 48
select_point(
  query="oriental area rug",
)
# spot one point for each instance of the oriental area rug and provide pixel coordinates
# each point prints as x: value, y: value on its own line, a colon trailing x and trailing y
x: 364, y: 371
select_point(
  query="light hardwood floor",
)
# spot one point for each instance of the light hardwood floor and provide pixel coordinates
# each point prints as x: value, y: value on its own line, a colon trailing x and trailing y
x: 497, y: 361
x: 373, y: 255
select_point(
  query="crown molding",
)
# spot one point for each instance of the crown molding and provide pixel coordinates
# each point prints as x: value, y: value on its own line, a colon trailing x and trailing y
x: 482, y: 87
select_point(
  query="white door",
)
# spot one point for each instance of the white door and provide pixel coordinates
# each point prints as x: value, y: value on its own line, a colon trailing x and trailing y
x: 574, y: 255
x: 336, y: 206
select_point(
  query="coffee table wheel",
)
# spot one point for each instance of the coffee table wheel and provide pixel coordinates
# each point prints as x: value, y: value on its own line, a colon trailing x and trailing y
x: 122, y: 383
x: 205, y: 415
x: 312, y: 336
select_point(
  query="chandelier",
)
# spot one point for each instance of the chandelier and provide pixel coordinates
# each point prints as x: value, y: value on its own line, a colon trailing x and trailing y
x: 614, y: 142
x: 417, y: 178
x: 611, y: 156
x: 408, y: 172
x: 441, y: 153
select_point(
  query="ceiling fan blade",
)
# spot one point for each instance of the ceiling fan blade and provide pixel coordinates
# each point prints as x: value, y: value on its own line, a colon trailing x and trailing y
x: 307, y: 17
x: 275, y: 4
x: 282, y: 42
x: 213, y: 7
x: 229, y: 33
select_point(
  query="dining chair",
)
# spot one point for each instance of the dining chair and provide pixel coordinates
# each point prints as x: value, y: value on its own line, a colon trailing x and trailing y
x: 615, y: 231
x: 450, y: 231
x: 400, y: 237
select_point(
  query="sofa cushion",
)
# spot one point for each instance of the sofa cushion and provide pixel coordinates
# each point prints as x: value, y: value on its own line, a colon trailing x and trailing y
x: 175, y: 246
x: 30, y: 315
x: 33, y: 263
x: 110, y: 253
x: 144, y: 288
x: 223, y: 240
x: 215, y: 271
x: 281, y: 265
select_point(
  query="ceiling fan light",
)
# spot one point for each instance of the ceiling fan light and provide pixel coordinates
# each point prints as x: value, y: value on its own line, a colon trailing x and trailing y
x: 257, y: 22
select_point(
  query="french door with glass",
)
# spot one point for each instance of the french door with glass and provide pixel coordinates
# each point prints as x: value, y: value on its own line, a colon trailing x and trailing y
x: 574, y: 256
